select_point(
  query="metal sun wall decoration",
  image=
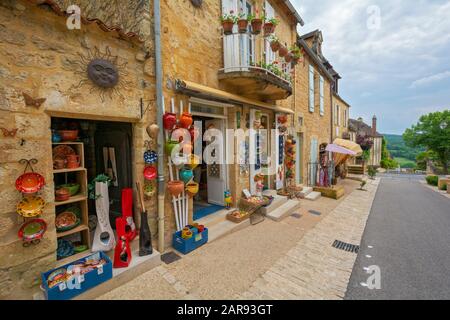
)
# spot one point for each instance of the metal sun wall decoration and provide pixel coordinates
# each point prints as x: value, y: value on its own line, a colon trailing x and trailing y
x: 103, y: 72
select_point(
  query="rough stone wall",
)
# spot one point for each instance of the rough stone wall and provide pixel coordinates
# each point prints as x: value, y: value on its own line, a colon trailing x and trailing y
x: 39, y: 57
x: 314, y: 124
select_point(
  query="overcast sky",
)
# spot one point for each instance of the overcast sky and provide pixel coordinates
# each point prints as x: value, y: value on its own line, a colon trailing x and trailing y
x: 398, y: 69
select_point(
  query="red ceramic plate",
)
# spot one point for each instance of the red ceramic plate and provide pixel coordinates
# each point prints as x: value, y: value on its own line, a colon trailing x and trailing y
x: 30, y: 182
x: 150, y: 173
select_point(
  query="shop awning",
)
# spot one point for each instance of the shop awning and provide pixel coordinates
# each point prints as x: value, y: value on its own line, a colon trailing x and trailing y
x: 338, y: 149
x: 204, y: 92
x: 350, y: 145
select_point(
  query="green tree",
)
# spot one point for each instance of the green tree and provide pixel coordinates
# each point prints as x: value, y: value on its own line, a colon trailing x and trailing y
x: 432, y: 132
x: 386, y: 160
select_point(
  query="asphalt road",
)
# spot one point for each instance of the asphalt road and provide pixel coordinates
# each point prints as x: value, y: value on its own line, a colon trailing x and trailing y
x: 408, y: 236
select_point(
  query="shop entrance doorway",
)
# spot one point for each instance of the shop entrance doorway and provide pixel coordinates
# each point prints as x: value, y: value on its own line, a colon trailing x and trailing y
x: 107, y: 150
x: 212, y: 177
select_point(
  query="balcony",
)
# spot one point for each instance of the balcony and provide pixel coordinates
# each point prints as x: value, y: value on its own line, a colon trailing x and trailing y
x: 251, y: 69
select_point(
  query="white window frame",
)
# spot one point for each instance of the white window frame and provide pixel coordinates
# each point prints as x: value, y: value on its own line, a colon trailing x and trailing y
x: 311, y: 88
x: 321, y: 91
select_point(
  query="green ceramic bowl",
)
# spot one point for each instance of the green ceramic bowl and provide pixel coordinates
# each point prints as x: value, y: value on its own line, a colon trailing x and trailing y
x: 72, y: 187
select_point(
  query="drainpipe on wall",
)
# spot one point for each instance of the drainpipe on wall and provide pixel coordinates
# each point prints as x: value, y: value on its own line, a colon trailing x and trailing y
x: 160, y: 112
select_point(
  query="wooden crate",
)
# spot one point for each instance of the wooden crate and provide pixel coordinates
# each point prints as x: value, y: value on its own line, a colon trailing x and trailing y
x: 237, y: 220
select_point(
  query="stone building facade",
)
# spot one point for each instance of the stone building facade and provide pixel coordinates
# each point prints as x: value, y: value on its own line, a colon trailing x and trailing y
x: 341, y: 116
x: 226, y: 81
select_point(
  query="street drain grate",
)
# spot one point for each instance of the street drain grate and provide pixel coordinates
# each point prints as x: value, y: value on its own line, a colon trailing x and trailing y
x: 314, y: 212
x: 345, y: 246
x: 296, y: 215
x: 170, y: 257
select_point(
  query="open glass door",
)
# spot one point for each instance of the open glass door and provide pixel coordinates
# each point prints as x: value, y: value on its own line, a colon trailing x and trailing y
x: 216, y: 175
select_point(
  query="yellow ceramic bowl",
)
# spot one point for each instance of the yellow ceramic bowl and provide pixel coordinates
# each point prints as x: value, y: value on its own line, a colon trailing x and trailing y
x: 30, y: 207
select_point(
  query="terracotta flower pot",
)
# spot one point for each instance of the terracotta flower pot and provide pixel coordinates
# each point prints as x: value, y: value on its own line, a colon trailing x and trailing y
x: 282, y: 119
x: 242, y: 25
x: 228, y: 27
x: 169, y: 120
x: 283, y: 51
x: 275, y: 46
x: 186, y: 120
x: 192, y: 188
x: 288, y: 58
x: 256, y: 26
x: 269, y: 28
x: 175, y: 187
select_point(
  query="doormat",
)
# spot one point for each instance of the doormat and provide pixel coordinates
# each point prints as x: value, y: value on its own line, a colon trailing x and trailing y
x: 170, y: 257
x: 201, y: 212
x: 314, y: 212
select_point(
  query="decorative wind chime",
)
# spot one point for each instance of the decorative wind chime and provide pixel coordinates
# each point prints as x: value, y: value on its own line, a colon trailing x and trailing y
x: 181, y: 162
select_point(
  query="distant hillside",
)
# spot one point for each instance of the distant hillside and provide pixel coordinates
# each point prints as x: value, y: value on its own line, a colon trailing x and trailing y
x: 406, y: 156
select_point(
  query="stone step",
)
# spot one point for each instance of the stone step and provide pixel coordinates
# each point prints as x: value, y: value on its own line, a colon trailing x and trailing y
x: 276, y: 203
x: 214, y: 218
x: 313, y: 196
x: 285, y: 210
x: 224, y: 228
x: 305, y: 192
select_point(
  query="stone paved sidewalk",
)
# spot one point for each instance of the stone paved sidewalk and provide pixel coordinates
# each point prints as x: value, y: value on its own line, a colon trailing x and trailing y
x: 255, y: 262
x: 313, y: 269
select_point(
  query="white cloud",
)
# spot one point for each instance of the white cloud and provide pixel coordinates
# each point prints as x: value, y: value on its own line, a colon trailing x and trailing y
x: 409, y: 50
x: 430, y: 79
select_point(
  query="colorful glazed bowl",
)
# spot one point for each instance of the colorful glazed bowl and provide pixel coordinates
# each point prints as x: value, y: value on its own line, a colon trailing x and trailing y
x: 150, y: 157
x: 150, y: 173
x: 30, y: 206
x: 30, y: 182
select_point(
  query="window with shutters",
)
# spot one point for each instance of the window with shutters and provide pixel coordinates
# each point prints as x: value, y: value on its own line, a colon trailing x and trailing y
x: 321, y: 91
x: 311, y: 88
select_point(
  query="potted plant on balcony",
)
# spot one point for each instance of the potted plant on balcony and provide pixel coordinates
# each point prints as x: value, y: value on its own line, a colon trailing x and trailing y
x: 283, y: 51
x: 256, y: 22
x: 274, y: 43
x: 296, y: 54
x: 269, y: 26
x: 242, y: 22
x: 228, y: 20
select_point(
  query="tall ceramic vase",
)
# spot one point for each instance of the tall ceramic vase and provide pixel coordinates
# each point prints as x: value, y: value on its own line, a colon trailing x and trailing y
x: 104, y: 239
x: 145, y: 237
